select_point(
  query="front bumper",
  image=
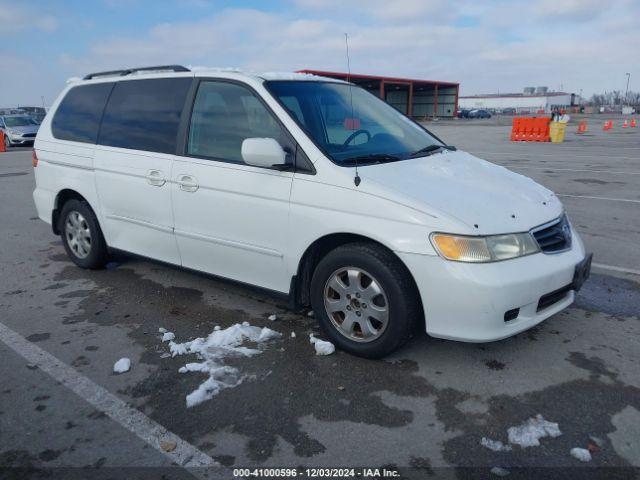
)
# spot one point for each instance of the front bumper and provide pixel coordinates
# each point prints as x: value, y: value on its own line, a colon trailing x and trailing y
x: 20, y: 140
x: 468, y: 302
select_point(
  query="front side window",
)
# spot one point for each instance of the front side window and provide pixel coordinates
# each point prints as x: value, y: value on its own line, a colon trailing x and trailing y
x: 77, y: 118
x: 224, y: 115
x: 348, y: 123
x: 144, y: 114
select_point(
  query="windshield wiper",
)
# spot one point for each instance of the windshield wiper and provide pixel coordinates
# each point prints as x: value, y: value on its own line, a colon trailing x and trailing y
x: 431, y: 149
x: 371, y: 159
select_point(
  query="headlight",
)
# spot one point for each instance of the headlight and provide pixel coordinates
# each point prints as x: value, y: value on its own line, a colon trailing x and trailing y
x: 492, y: 248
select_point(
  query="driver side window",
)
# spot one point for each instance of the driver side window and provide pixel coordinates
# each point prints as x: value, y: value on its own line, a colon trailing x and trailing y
x: 224, y: 115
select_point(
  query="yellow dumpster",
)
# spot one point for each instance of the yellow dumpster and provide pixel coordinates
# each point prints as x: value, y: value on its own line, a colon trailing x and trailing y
x: 556, y: 131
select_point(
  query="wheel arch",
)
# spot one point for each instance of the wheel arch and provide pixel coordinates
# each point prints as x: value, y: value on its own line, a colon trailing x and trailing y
x: 301, y: 282
x: 63, y: 197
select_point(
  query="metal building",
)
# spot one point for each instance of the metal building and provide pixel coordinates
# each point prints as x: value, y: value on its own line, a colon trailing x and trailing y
x: 419, y: 99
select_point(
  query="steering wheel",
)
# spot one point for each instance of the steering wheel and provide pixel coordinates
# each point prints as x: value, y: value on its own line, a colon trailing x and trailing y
x: 354, y: 135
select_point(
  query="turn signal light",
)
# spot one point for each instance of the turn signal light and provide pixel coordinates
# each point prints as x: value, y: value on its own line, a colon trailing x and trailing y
x: 34, y: 158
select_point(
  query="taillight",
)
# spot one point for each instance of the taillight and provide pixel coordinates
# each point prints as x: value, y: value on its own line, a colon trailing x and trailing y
x: 34, y: 158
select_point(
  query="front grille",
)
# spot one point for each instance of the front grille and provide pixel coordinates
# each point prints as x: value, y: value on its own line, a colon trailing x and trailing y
x: 553, y: 297
x: 29, y: 135
x: 555, y: 236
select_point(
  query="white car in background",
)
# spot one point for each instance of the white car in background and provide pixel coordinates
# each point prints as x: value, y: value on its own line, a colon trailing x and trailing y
x: 311, y: 188
x: 19, y: 130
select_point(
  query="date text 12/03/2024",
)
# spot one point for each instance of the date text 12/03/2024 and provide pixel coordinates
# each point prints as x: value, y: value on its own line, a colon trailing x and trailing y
x: 335, y: 473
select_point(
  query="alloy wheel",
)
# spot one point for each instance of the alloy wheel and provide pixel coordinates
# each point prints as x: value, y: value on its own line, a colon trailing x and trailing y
x: 356, y: 304
x: 78, y: 234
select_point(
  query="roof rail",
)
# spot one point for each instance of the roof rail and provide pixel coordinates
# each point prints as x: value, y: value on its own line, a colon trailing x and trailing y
x: 129, y: 71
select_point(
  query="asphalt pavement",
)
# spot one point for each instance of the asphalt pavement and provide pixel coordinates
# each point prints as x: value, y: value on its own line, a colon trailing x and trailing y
x: 424, y: 410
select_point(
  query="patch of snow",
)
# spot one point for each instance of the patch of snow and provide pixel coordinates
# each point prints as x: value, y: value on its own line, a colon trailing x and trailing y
x: 216, y: 328
x: 162, y: 330
x: 529, y: 433
x: 202, y: 68
x: 168, y: 336
x: 289, y: 76
x: 310, y: 313
x: 495, y: 445
x: 499, y: 471
x: 581, y: 454
x: 322, y: 347
x: 273, y: 317
x: 122, y: 365
x: 293, y: 334
x: 218, y: 345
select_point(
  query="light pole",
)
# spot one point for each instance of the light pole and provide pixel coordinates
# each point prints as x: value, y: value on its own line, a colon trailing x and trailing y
x: 626, y: 92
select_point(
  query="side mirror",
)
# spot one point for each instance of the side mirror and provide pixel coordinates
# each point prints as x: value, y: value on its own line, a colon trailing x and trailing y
x: 263, y: 152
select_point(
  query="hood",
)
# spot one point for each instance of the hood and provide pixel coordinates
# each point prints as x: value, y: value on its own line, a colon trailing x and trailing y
x: 25, y: 129
x: 459, y: 186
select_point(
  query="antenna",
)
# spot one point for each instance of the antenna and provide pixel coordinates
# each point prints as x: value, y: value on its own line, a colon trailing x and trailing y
x: 356, y: 179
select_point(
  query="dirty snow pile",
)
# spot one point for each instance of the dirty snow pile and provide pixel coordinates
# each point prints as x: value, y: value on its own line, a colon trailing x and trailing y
x: 122, y: 365
x: 529, y: 433
x: 499, y: 471
x: 581, y: 454
x: 526, y: 435
x: 220, y: 344
x: 322, y: 347
x: 495, y: 445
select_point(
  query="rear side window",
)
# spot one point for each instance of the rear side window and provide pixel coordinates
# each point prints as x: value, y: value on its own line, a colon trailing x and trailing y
x: 144, y: 114
x: 78, y: 115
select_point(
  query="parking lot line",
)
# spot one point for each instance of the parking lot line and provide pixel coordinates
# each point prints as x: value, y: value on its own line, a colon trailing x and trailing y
x: 599, y: 198
x: 613, y: 268
x: 570, y: 170
x: 185, y: 454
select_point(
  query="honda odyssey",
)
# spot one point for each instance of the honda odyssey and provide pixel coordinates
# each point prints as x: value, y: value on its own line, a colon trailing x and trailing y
x: 311, y: 188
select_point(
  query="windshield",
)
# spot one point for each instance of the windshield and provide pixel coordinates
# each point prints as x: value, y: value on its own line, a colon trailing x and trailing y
x: 370, y: 132
x: 18, y: 121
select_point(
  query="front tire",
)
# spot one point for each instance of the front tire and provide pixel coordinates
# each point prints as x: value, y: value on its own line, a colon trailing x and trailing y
x: 81, y: 235
x: 7, y: 142
x: 365, y: 299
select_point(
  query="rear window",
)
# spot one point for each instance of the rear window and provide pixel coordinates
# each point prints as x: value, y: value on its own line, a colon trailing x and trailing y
x: 78, y: 115
x: 144, y: 114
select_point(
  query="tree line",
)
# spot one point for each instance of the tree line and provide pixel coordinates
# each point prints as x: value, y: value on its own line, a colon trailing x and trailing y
x: 615, y: 97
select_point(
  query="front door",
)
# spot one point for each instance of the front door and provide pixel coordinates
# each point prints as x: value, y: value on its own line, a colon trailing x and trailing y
x: 231, y: 219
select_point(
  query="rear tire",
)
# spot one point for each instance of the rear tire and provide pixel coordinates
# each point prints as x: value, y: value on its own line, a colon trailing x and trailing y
x: 365, y: 299
x: 81, y: 235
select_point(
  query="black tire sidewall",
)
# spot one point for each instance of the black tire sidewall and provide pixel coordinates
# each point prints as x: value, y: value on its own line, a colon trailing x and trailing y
x: 401, y: 305
x: 98, y: 255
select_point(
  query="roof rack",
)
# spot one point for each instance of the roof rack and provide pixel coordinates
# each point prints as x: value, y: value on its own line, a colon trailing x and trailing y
x: 129, y: 71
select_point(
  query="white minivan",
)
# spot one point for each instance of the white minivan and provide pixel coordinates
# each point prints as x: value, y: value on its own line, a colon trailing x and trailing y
x: 311, y: 188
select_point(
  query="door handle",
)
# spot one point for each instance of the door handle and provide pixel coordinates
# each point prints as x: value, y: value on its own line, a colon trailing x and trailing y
x: 187, y: 183
x: 155, y: 178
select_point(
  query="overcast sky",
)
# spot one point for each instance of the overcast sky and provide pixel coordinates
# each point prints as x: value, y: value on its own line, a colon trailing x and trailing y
x: 487, y: 46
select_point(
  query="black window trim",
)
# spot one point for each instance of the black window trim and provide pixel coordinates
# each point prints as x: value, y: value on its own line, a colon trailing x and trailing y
x: 322, y: 149
x: 185, y: 124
